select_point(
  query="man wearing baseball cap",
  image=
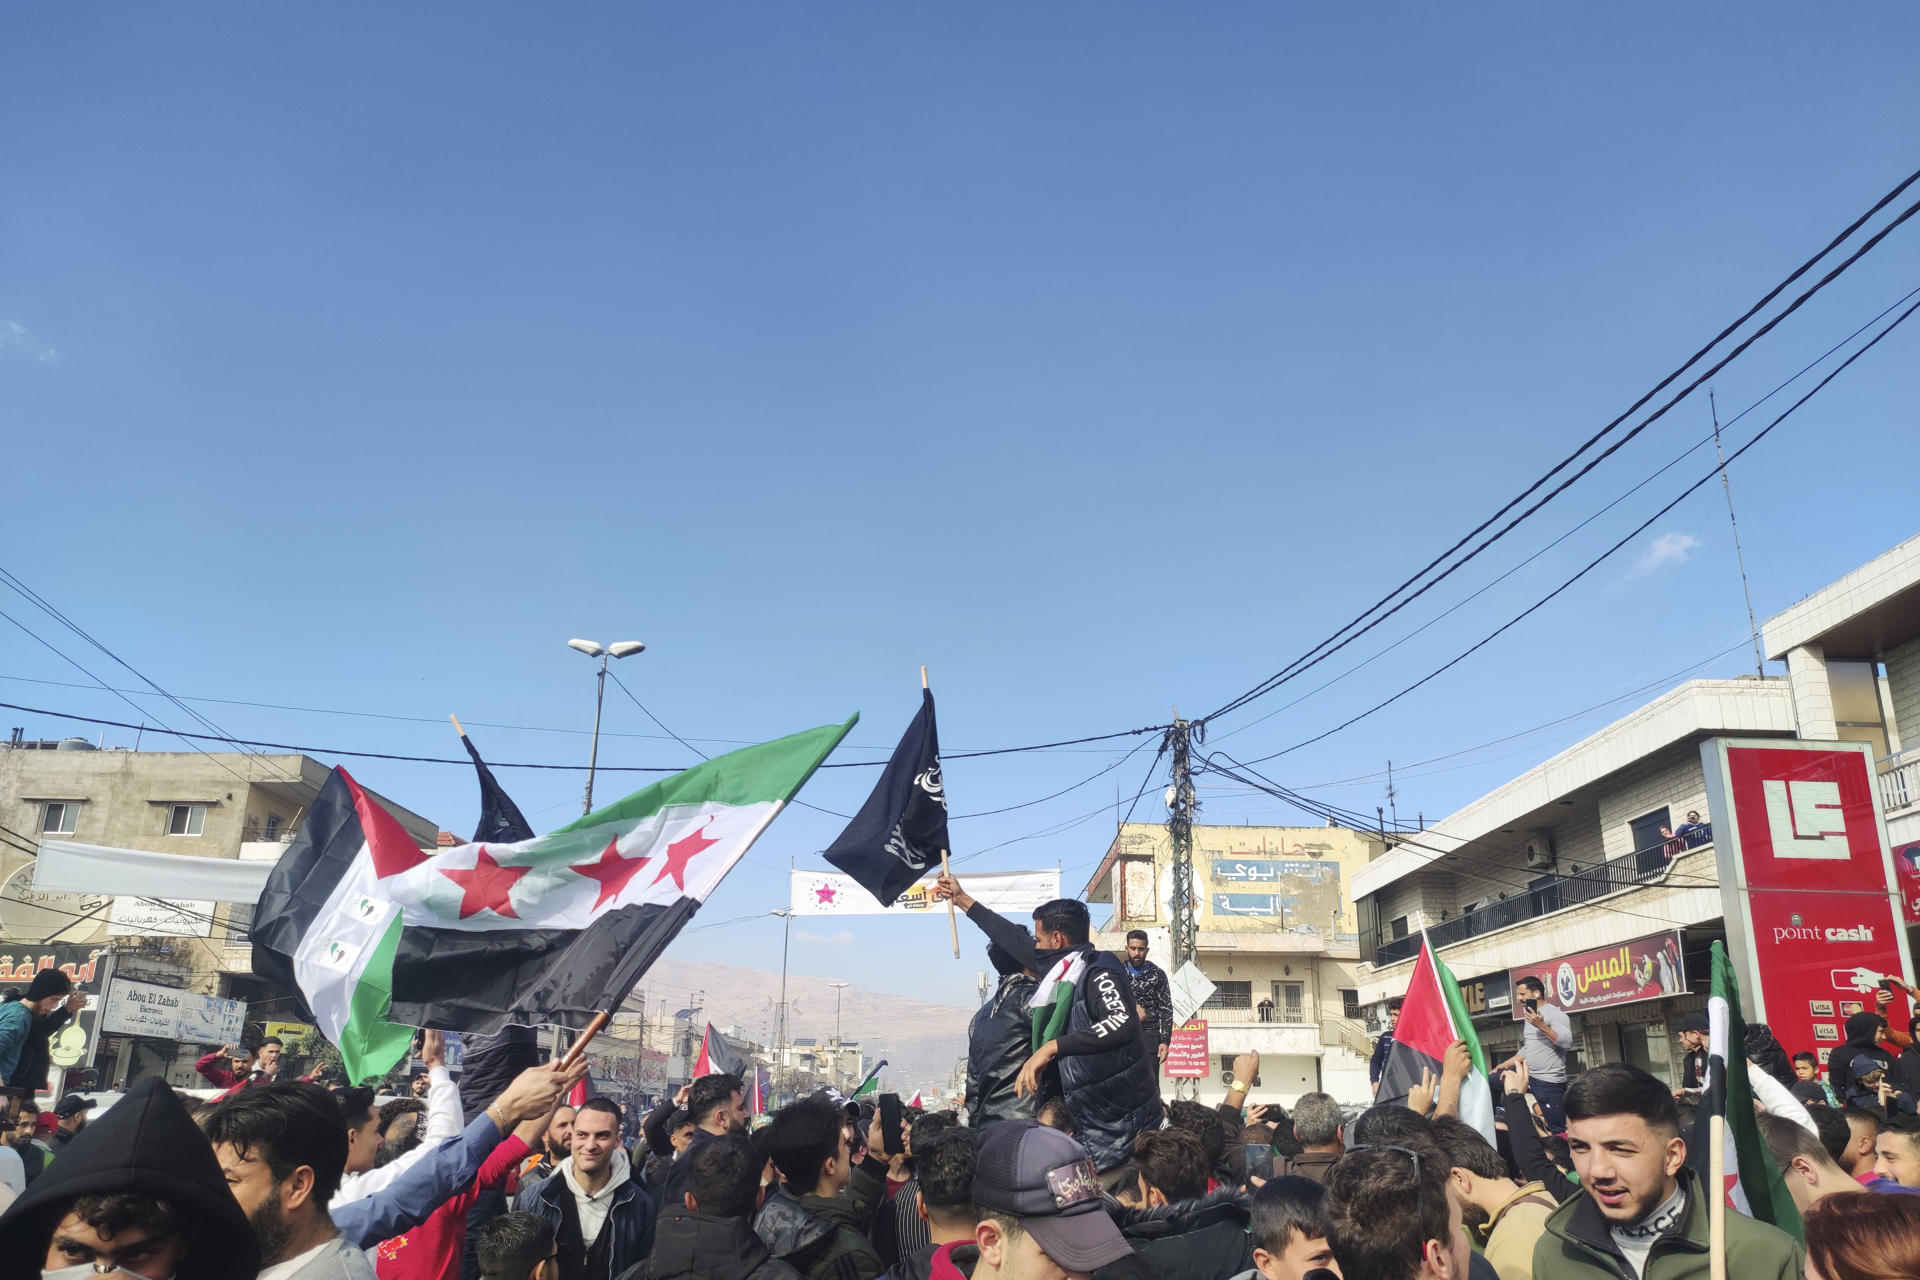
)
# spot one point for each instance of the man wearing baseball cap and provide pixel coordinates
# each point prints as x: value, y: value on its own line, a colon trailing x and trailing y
x: 1041, y: 1208
x: 70, y: 1113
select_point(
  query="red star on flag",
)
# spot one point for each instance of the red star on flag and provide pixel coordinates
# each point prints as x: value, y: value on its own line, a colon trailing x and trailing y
x: 612, y: 871
x: 825, y: 894
x: 683, y: 851
x: 487, y: 886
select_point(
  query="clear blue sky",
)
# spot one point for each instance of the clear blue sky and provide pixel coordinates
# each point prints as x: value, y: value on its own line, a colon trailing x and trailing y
x: 1100, y: 357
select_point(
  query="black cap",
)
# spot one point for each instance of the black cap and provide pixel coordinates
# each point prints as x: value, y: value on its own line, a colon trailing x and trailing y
x: 1695, y: 1021
x: 72, y: 1105
x: 1045, y: 1179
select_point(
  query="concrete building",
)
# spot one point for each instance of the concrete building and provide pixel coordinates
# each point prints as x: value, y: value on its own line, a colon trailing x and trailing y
x: 1578, y: 856
x: 1277, y: 927
x: 189, y: 804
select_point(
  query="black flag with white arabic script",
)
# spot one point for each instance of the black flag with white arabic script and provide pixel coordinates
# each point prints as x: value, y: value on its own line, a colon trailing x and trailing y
x: 900, y: 832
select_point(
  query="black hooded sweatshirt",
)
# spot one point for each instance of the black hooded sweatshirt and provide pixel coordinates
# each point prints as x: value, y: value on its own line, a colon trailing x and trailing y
x: 1863, y: 1037
x: 146, y: 1142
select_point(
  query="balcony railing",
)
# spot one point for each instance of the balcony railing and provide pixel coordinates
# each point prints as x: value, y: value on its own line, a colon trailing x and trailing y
x: 1900, y: 780
x: 1557, y: 893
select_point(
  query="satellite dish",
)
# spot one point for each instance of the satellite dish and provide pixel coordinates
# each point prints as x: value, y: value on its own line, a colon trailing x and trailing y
x: 29, y: 915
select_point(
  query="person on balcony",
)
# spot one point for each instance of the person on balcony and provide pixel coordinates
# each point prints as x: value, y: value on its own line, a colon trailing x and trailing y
x: 1693, y: 833
x: 1266, y: 1008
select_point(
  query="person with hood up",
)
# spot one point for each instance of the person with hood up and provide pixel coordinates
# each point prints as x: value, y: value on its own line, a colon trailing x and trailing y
x: 1864, y: 1031
x: 999, y: 1039
x: 1183, y: 1231
x: 820, y: 1223
x: 1088, y: 1027
x: 140, y: 1190
x: 602, y: 1217
x: 710, y: 1236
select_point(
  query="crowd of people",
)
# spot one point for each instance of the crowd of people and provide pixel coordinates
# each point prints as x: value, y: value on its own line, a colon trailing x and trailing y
x: 1065, y: 1160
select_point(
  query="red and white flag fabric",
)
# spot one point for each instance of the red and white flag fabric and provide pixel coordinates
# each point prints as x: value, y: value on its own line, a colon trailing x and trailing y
x: 1432, y: 1016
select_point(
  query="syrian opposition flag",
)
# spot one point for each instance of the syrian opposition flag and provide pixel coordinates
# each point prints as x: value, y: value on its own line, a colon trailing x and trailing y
x: 379, y: 937
x: 1432, y: 1016
x: 718, y: 1056
x: 1751, y: 1179
x: 871, y: 1085
x: 916, y: 1100
x: 901, y: 830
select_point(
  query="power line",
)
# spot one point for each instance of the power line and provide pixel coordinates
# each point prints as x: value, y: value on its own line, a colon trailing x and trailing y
x: 1309, y: 659
x: 1675, y: 461
x: 1604, y: 555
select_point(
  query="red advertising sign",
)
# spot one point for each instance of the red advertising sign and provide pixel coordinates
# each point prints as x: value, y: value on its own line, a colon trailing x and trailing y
x: 1647, y: 968
x: 1187, y: 1049
x: 1813, y: 905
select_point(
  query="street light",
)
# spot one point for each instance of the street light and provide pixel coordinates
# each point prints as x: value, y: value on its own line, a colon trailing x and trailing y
x: 618, y: 649
x: 839, y: 1049
x: 780, y: 1032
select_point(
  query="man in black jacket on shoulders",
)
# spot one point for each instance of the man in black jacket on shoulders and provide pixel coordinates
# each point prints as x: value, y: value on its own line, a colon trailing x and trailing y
x: 1091, y: 1032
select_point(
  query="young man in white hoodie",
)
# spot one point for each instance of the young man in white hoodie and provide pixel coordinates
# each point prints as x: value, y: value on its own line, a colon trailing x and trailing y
x: 601, y: 1217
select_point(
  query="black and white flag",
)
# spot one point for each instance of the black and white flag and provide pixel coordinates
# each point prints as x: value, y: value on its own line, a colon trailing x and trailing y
x: 900, y: 832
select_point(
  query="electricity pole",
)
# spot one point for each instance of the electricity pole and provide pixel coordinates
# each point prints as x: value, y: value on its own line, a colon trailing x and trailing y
x: 1182, y: 805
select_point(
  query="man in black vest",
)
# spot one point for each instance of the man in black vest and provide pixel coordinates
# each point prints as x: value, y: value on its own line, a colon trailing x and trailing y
x: 1108, y: 1068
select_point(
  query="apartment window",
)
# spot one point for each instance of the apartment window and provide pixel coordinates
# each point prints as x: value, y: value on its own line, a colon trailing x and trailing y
x: 1293, y: 1006
x: 1396, y: 928
x: 58, y: 818
x: 273, y: 826
x: 187, y: 820
x: 1350, y: 1003
x: 1230, y: 995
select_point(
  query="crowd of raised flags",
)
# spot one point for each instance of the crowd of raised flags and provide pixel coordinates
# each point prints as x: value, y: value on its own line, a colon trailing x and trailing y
x: 1065, y: 1158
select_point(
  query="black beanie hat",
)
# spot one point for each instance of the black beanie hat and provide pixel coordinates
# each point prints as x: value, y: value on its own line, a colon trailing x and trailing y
x: 48, y: 982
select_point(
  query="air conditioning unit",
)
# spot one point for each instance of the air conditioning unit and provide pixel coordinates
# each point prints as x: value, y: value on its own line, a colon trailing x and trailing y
x: 1540, y: 856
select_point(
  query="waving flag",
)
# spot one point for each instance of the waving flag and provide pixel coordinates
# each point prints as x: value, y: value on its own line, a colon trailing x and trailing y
x: 380, y: 937
x: 901, y: 830
x: 718, y: 1056
x: 1751, y: 1180
x: 1432, y: 1017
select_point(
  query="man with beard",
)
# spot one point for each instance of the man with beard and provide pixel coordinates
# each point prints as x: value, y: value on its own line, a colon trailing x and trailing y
x: 1642, y: 1214
x: 1152, y: 996
x: 71, y: 1118
x: 284, y: 1151
x: 140, y: 1191
x: 553, y: 1147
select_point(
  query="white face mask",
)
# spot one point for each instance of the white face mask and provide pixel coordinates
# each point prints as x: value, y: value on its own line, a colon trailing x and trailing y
x: 91, y: 1271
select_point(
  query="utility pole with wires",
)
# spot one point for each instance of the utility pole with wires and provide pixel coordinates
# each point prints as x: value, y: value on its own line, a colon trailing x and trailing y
x: 1753, y: 627
x: 1182, y: 805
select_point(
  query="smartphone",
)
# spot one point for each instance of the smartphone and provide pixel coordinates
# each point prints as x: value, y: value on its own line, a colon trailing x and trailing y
x: 890, y: 1138
x: 1259, y: 1161
x: 1531, y: 1006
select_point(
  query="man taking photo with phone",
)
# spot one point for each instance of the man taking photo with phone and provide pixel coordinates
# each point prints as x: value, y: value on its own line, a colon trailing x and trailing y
x: 1548, y: 1036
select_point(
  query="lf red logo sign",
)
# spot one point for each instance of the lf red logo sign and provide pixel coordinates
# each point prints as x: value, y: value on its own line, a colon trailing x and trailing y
x: 1805, y: 820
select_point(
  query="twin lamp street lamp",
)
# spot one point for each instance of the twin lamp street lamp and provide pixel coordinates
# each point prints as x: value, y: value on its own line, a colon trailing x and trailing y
x: 618, y: 649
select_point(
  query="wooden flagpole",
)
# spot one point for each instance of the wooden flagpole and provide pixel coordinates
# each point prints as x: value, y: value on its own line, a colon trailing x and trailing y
x: 1717, y: 1176
x: 953, y: 921
x: 456, y: 724
x: 586, y: 1038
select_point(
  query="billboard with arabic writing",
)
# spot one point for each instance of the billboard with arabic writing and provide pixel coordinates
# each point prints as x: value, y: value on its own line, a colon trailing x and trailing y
x: 1649, y: 968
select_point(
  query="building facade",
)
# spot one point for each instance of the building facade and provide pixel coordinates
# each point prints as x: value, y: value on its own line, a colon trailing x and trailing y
x: 187, y: 804
x: 1277, y: 938
x: 1586, y: 870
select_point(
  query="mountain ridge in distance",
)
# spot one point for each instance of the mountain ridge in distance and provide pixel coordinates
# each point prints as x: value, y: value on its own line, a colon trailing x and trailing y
x: 920, y: 1039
